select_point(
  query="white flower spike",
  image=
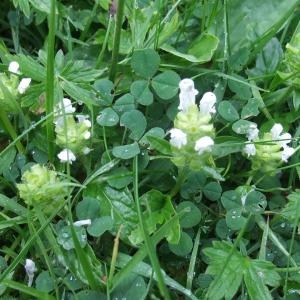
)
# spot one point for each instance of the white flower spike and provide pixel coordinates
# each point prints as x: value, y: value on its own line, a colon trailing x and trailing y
x: 207, y: 103
x: 250, y: 150
x: 66, y: 155
x: 30, y: 270
x: 24, y: 85
x: 187, y: 95
x: 14, y: 67
x: 178, y: 138
x: 204, y: 144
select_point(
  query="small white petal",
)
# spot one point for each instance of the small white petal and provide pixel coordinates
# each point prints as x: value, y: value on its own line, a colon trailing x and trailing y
x: 14, y: 67
x: 204, y: 144
x: 86, y: 150
x: 30, y: 268
x: 87, y: 123
x: 66, y: 155
x: 187, y: 95
x: 86, y: 135
x: 178, y: 138
x: 82, y: 223
x: 67, y: 104
x: 250, y: 150
x: 284, y: 139
x: 253, y: 132
x: 23, y: 85
x: 276, y: 131
x: 207, y: 103
x: 81, y: 118
x: 287, y: 153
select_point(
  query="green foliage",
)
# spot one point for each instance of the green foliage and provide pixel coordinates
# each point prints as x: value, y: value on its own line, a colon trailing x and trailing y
x: 230, y: 267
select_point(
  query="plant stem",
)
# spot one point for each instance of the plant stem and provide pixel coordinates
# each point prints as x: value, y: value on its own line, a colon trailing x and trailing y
x: 50, y: 81
x: 10, y: 130
x: 148, y: 244
x: 114, y: 256
x: 117, y: 36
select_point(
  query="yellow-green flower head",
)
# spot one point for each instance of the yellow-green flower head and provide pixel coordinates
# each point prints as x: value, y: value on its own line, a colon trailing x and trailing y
x: 42, y: 186
x: 70, y: 134
x: 268, y: 152
x: 192, y: 135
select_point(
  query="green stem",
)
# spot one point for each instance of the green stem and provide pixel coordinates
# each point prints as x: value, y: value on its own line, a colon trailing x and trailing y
x: 117, y: 36
x: 190, y: 273
x: 100, y: 57
x: 148, y: 243
x: 50, y: 81
x: 114, y: 256
x: 180, y: 179
x: 10, y: 130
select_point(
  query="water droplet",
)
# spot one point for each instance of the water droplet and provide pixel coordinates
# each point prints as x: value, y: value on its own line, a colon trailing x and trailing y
x: 261, y: 274
x: 282, y: 225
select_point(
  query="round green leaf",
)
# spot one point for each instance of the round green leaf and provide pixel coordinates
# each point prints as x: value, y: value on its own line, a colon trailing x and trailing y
x: 140, y: 90
x: 124, y: 103
x: 191, y: 218
x: 250, y: 109
x: 105, y: 87
x: 119, y: 178
x: 165, y: 84
x: 222, y: 230
x: 100, y: 225
x: 242, y: 126
x: 234, y: 219
x: 145, y: 62
x: 65, y: 238
x: 108, y: 117
x: 44, y: 282
x: 155, y: 131
x: 135, y: 121
x: 88, y: 208
x: 126, y: 151
x: 228, y: 111
x: 184, y: 247
x: 212, y: 191
x: 255, y: 202
x: 91, y: 295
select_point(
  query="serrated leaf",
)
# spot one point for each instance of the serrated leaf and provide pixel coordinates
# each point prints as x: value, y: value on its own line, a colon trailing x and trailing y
x: 145, y: 62
x: 291, y: 211
x: 165, y: 84
x: 108, y: 117
x: 135, y: 121
x: 140, y: 90
x: 228, y: 111
x: 126, y: 151
x: 255, y: 273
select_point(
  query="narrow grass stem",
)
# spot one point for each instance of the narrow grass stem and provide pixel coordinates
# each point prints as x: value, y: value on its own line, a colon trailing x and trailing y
x: 10, y: 130
x: 114, y: 256
x: 148, y: 244
x: 117, y: 37
x: 50, y: 81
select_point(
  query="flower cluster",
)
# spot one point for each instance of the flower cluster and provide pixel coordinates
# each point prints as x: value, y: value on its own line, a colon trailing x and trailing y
x: 41, y: 186
x: 11, y: 87
x: 72, y: 136
x: 192, y: 135
x: 268, y: 152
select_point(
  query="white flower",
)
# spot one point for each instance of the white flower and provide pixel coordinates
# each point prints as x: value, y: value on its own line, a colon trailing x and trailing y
x: 86, y: 150
x: 276, y: 131
x: 187, y: 95
x: 66, y: 106
x: 284, y: 139
x: 82, y: 118
x: 30, y: 269
x: 87, y: 123
x: 250, y: 150
x: 86, y: 135
x: 24, y: 85
x: 66, y: 155
x: 287, y: 153
x: 178, y: 138
x: 14, y: 67
x: 207, y: 103
x: 82, y: 223
x: 204, y: 144
x: 253, y: 132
